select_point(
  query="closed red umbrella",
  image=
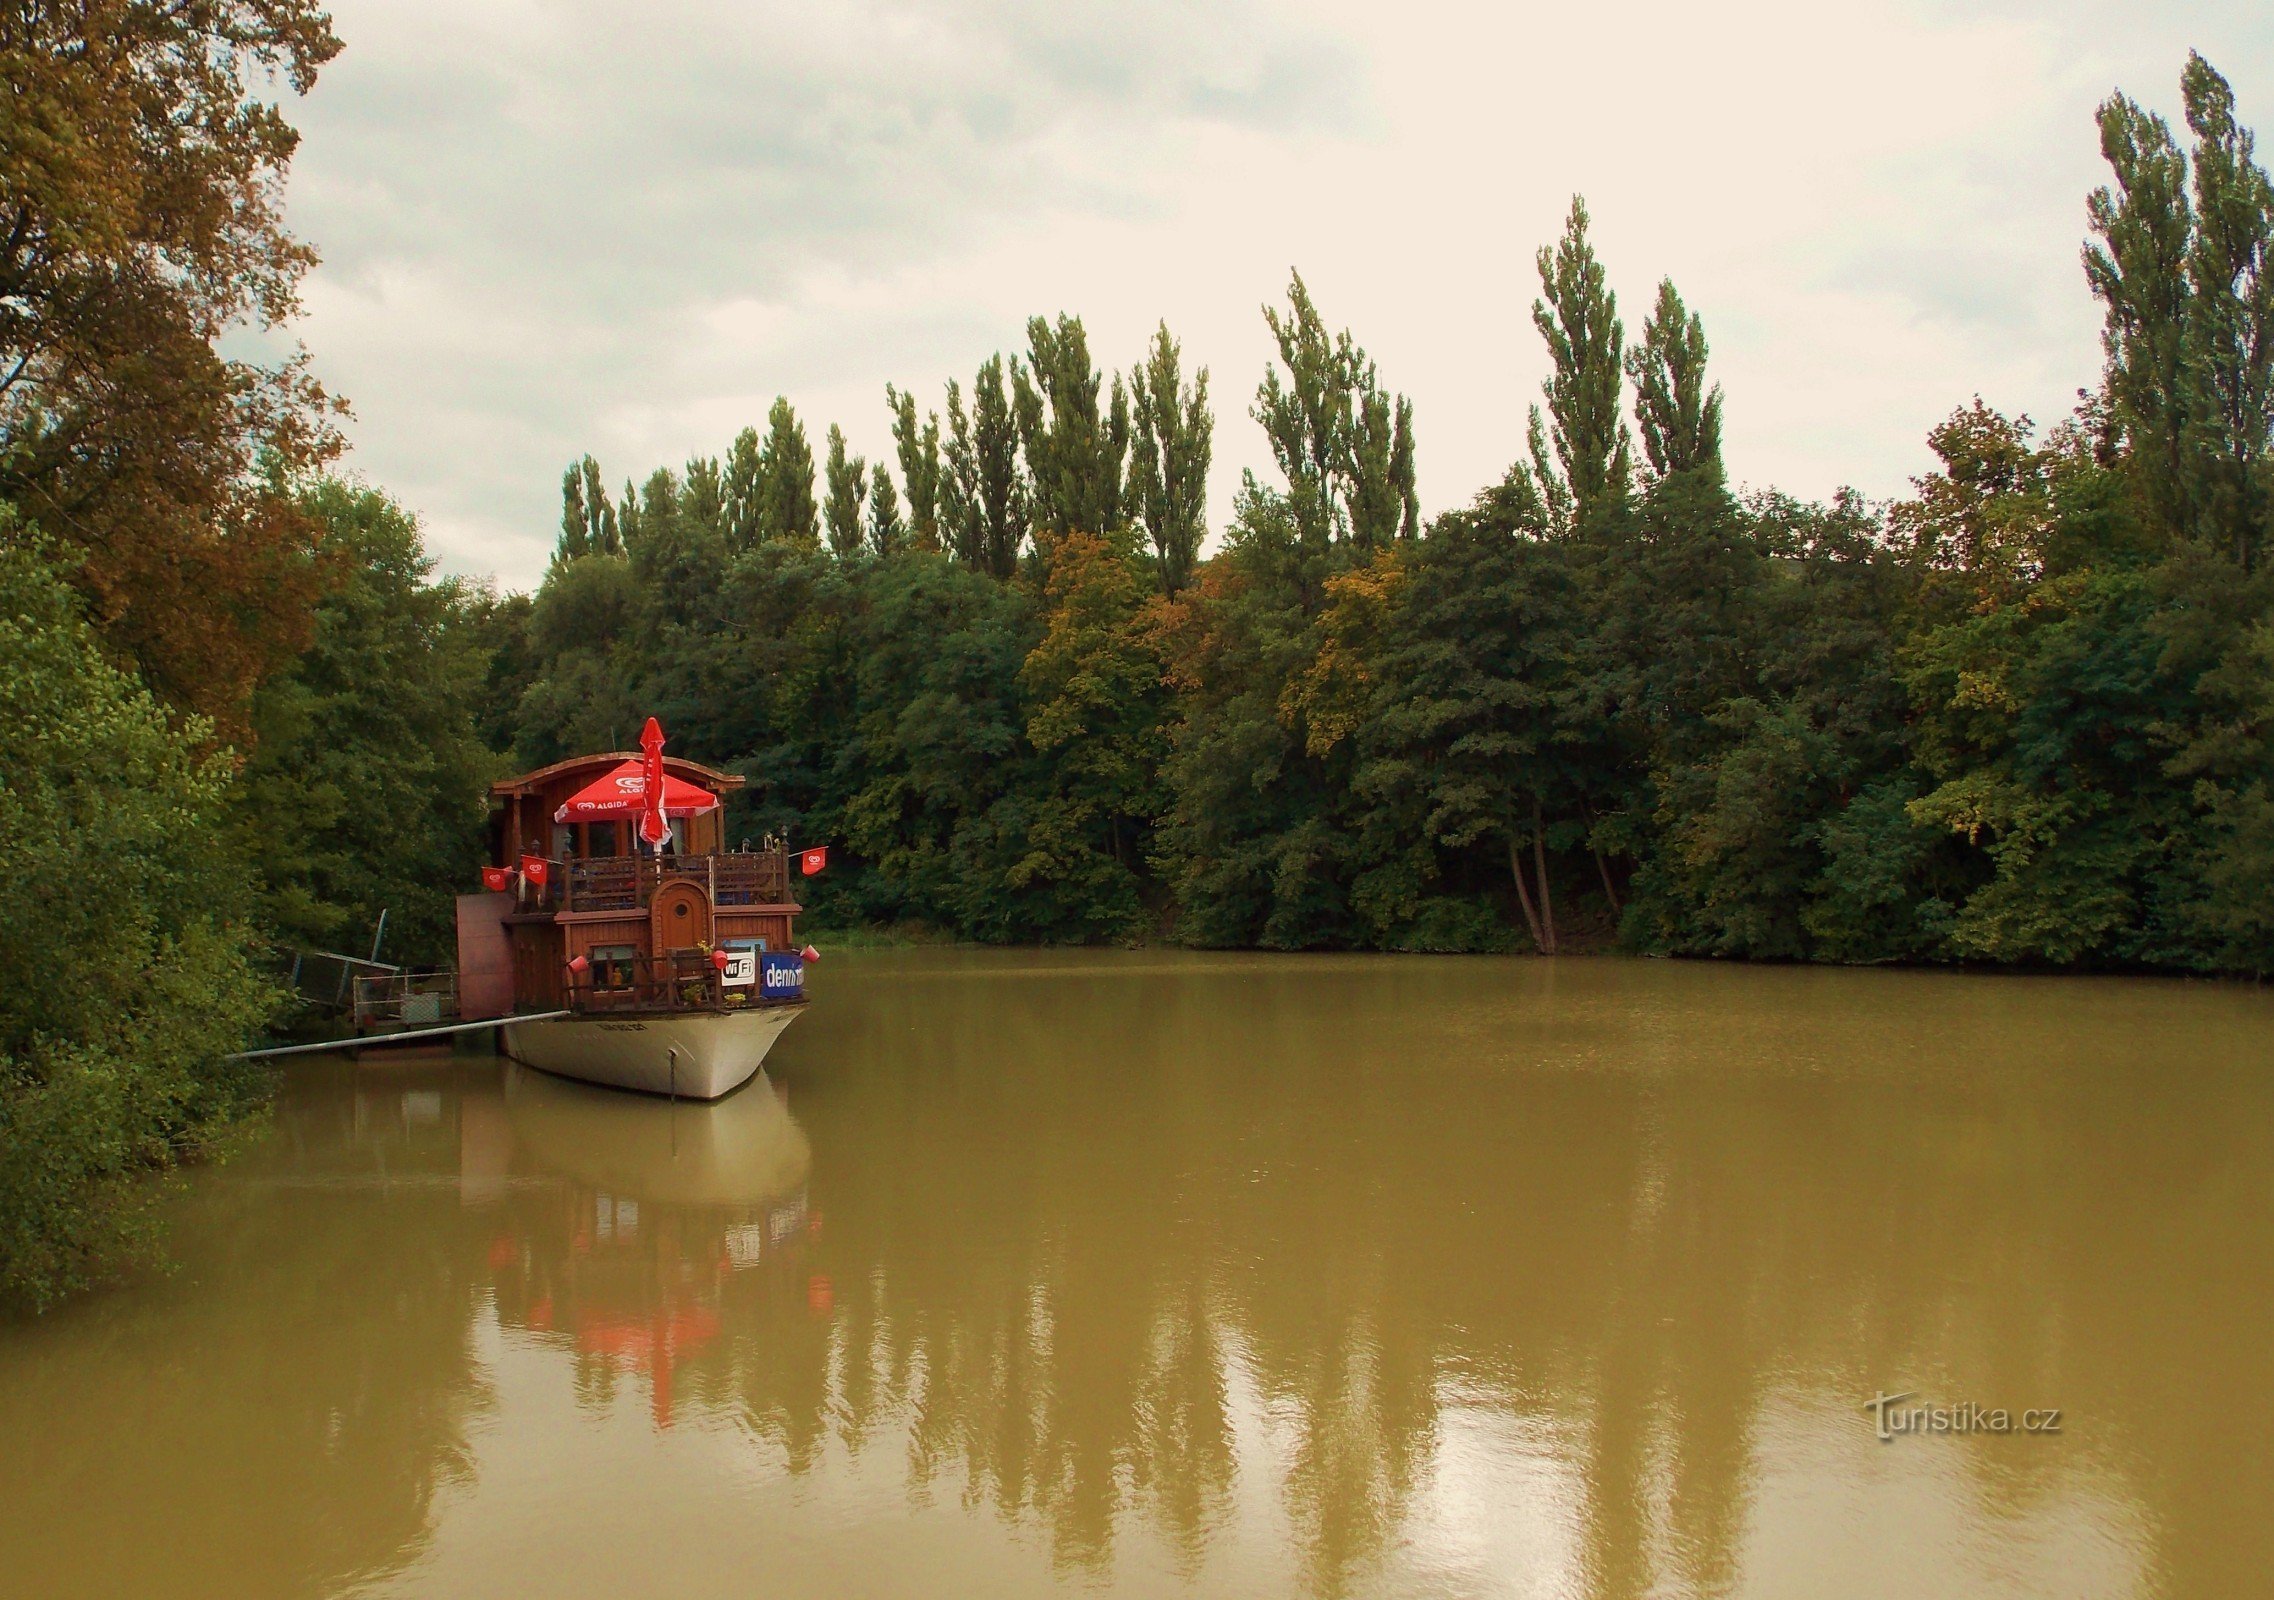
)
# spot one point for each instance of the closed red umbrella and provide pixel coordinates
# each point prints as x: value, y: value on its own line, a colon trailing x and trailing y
x: 653, y: 788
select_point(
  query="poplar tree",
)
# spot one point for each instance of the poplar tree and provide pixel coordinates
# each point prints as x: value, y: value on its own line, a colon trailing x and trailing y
x: 919, y: 452
x: 959, y: 485
x: 1003, y: 495
x: 848, y: 488
x: 1074, y: 453
x: 787, y: 513
x: 742, y: 496
x: 1587, y: 482
x: 2228, y: 351
x: 1679, y: 417
x: 1383, y: 505
x: 1307, y: 415
x: 1170, y: 447
x: 984, y: 498
x: 1344, y: 444
x: 703, y: 499
x: 888, y: 535
x: 2138, y: 269
x: 588, y: 518
x: 2183, y: 273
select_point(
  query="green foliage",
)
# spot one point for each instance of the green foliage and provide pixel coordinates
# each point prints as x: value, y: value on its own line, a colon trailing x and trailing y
x: 365, y: 790
x: 1680, y: 418
x: 1586, y: 483
x: 984, y: 495
x: 1073, y: 450
x: 117, y: 1019
x: 1169, y: 457
x: 2186, y: 282
x: 783, y: 491
x: 847, y: 478
x: 887, y: 533
x: 2024, y: 715
x: 919, y: 453
x: 1343, y: 443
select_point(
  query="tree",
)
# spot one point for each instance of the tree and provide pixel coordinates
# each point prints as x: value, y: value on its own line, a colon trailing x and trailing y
x: 1096, y: 703
x: 848, y: 489
x: 1344, y: 445
x: 984, y: 499
x: 2189, y: 329
x: 114, y: 845
x: 1074, y: 453
x: 1586, y: 483
x: 1679, y: 416
x: 888, y: 535
x: 144, y: 170
x: 919, y: 452
x: 744, y: 491
x: 2228, y: 351
x: 365, y: 790
x: 1169, y: 458
x: 588, y: 516
x: 787, y: 513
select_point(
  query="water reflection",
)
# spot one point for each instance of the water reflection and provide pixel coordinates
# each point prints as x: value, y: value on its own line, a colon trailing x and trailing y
x: 1321, y: 1276
x: 626, y: 1260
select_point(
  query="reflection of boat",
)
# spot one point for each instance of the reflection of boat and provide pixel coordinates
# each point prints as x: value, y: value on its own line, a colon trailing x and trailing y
x: 656, y: 1207
x: 741, y: 1153
x: 619, y: 942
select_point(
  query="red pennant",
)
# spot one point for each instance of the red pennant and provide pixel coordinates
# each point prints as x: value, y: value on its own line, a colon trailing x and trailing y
x: 534, y: 869
x: 497, y: 879
x: 809, y: 954
x: 812, y: 861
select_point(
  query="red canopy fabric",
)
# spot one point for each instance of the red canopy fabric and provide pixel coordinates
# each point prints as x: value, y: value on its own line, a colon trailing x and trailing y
x: 621, y: 793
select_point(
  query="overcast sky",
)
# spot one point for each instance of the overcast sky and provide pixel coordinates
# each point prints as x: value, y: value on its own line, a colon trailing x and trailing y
x: 559, y: 226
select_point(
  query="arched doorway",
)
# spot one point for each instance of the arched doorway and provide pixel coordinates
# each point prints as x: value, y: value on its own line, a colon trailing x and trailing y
x: 680, y: 916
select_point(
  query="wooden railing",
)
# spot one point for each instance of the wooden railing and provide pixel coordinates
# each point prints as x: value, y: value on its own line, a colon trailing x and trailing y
x: 685, y: 980
x: 628, y: 883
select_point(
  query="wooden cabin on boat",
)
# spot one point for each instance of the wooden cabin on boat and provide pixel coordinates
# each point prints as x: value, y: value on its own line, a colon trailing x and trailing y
x: 613, y: 926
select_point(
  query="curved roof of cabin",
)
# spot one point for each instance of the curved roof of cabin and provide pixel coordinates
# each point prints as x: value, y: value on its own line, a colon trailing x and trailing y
x: 608, y: 760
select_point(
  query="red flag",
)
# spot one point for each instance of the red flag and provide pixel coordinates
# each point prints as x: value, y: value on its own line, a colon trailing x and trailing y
x: 812, y: 861
x: 497, y: 879
x: 654, y: 828
x: 534, y: 869
x: 809, y: 954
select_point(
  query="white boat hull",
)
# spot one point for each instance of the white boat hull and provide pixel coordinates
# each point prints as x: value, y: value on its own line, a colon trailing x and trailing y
x: 696, y: 1055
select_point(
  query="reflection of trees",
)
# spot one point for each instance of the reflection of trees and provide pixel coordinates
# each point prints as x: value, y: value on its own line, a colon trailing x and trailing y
x: 1639, y: 1219
x: 279, y: 1417
x: 1265, y: 1246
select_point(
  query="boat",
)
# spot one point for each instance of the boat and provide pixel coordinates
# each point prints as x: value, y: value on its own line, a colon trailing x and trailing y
x: 615, y: 940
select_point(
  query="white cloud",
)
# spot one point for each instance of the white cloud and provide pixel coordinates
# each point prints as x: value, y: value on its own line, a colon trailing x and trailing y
x: 550, y: 228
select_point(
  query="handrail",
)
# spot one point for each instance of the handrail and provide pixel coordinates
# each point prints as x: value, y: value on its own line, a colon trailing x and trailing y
x: 682, y: 980
x: 629, y: 883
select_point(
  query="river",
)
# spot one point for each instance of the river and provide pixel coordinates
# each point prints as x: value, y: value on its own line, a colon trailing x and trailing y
x: 1154, y: 1273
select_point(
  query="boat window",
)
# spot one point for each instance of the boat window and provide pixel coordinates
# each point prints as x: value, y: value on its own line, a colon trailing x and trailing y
x: 612, y: 965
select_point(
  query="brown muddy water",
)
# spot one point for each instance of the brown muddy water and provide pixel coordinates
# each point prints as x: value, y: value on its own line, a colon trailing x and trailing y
x: 1164, y: 1274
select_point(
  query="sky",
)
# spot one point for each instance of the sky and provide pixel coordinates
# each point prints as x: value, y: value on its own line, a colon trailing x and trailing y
x: 553, y: 227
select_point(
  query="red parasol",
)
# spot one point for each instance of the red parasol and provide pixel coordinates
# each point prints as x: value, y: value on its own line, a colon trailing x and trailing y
x: 623, y: 793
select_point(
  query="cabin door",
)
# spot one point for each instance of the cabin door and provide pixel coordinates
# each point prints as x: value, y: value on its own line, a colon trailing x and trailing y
x: 681, y: 916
